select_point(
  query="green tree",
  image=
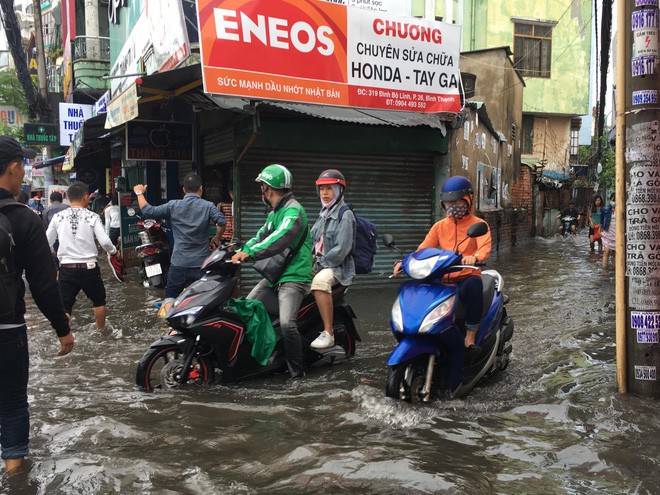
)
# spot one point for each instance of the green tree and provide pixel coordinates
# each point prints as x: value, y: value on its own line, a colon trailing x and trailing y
x: 11, y: 92
x: 12, y: 130
x: 587, y: 155
x: 38, y: 106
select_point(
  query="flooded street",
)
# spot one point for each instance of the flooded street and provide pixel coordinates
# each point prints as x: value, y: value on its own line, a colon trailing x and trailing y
x: 552, y: 423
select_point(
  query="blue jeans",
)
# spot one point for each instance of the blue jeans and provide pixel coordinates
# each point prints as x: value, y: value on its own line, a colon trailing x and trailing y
x: 179, y: 277
x: 471, y: 293
x: 284, y: 300
x: 14, y: 416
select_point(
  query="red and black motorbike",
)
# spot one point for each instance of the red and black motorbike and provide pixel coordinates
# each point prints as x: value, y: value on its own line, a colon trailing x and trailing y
x: 154, y: 253
x: 208, y: 341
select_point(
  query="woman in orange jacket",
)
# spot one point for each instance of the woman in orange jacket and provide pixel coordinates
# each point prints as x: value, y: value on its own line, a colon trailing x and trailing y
x: 451, y: 233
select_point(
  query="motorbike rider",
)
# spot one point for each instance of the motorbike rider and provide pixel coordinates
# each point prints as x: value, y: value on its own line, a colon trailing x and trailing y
x: 572, y: 213
x: 285, y: 225
x: 450, y: 233
x: 333, y: 239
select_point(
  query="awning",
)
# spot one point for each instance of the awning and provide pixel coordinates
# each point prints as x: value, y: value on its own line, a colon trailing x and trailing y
x: 364, y: 116
x: 343, y: 114
x: 48, y: 163
x: 170, y: 84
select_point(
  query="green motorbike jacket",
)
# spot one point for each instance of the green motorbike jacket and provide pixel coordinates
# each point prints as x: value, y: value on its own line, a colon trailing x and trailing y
x: 284, y: 226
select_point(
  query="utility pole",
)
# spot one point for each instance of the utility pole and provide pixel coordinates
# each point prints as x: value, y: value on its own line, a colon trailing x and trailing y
x: 41, y: 60
x: 638, y: 196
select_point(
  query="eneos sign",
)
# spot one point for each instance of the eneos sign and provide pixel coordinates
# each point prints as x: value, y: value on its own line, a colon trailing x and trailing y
x: 325, y: 53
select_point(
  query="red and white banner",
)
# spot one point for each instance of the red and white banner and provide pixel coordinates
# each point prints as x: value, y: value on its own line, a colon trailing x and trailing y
x: 324, y: 53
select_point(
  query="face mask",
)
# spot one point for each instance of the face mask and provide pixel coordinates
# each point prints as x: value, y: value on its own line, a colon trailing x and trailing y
x: 612, y: 204
x: 457, y: 211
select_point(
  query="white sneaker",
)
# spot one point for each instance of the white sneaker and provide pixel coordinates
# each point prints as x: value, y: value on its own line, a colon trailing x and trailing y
x: 323, y: 341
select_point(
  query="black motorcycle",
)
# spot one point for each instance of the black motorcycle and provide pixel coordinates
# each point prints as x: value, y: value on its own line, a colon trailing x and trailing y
x: 154, y: 253
x: 207, y: 341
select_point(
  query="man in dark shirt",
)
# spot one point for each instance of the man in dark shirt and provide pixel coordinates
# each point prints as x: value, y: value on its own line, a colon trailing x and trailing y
x: 55, y: 206
x: 570, y: 212
x: 31, y: 254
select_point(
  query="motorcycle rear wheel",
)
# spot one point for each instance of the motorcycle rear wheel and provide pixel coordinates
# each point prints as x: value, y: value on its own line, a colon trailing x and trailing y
x: 405, y: 381
x: 161, y: 368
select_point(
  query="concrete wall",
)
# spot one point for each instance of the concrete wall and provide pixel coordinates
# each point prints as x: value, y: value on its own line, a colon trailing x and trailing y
x: 501, y: 88
x: 488, y: 24
x: 514, y: 224
x: 554, y: 139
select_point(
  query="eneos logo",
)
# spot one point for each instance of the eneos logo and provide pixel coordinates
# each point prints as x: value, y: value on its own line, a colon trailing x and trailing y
x: 288, y: 37
x: 272, y: 31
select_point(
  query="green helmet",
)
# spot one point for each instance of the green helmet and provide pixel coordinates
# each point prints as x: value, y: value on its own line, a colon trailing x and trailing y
x: 276, y: 176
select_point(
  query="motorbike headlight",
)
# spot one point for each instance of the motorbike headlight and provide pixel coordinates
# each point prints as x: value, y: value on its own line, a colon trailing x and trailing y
x: 397, y: 316
x: 188, y: 315
x: 420, y: 269
x: 437, y: 314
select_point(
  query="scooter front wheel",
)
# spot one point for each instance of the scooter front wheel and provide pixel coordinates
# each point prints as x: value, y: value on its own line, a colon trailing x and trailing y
x: 161, y: 368
x: 405, y: 381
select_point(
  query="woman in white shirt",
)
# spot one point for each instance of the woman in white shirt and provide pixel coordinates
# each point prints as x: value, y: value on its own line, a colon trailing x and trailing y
x: 113, y: 220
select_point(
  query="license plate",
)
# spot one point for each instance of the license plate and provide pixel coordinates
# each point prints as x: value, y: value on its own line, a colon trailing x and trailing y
x: 153, y: 270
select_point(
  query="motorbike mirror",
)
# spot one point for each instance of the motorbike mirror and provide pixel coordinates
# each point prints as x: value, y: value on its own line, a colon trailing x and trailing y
x: 478, y: 229
x: 388, y: 241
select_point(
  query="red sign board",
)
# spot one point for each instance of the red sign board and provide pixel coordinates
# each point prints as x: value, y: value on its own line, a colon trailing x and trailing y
x: 320, y: 52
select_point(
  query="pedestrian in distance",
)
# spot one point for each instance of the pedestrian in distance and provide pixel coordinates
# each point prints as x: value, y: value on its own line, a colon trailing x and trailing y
x: 285, y: 230
x: 35, y: 204
x: 450, y: 233
x: 595, y: 216
x: 29, y: 254
x: 56, y: 205
x: 78, y: 229
x: 113, y: 220
x: 333, y: 239
x: 189, y: 220
x: 609, y: 230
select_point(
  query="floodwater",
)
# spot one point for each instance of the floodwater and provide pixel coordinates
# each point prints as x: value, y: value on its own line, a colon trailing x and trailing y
x: 552, y: 423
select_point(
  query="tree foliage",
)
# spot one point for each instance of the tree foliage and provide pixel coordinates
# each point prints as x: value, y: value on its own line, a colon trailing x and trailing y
x: 588, y: 155
x: 12, y: 130
x: 11, y: 92
x: 37, y: 106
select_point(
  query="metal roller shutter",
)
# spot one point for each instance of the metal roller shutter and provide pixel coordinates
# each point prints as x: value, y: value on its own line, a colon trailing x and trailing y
x: 217, y: 146
x: 394, y: 191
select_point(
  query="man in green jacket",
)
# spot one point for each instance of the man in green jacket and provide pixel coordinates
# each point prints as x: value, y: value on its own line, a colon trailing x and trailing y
x: 285, y: 227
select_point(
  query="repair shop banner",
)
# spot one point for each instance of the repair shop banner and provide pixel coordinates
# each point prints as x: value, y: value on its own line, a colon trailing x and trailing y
x: 313, y: 51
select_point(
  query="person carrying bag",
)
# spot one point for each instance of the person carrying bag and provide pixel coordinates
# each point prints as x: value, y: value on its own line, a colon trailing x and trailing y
x: 287, y: 280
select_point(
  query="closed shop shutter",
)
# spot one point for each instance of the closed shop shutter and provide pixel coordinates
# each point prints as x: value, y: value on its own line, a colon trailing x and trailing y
x: 185, y: 168
x: 217, y: 146
x: 393, y: 191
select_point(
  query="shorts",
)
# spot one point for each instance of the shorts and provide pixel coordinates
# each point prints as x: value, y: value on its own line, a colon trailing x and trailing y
x: 324, y: 280
x: 73, y: 280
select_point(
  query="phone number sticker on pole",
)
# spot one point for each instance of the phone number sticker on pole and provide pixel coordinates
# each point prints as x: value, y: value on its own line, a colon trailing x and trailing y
x: 645, y: 373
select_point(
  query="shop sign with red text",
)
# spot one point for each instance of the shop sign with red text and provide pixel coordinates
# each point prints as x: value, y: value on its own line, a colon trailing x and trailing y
x: 311, y: 51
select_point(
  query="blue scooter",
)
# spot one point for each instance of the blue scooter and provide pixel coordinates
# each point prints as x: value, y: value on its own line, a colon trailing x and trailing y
x: 429, y: 325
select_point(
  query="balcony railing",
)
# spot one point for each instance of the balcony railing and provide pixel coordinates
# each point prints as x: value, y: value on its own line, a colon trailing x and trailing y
x: 91, y: 48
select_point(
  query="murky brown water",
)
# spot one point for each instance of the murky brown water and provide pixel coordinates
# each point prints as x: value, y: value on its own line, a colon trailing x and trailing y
x: 551, y: 424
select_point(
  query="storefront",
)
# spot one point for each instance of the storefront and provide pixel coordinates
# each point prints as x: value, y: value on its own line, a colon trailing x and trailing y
x: 391, y: 172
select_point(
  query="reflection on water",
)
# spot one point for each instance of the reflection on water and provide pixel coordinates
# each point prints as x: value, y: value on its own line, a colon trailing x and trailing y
x: 552, y: 423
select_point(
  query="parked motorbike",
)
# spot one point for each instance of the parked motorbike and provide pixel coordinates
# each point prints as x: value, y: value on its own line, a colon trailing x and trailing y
x: 566, y: 223
x: 428, y: 323
x: 154, y: 253
x: 207, y: 341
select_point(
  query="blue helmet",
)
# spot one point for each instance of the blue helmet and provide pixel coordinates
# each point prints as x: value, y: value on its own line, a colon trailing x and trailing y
x: 456, y: 188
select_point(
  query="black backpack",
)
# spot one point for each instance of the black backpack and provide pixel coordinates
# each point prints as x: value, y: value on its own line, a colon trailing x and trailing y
x: 8, y: 282
x: 366, y: 242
